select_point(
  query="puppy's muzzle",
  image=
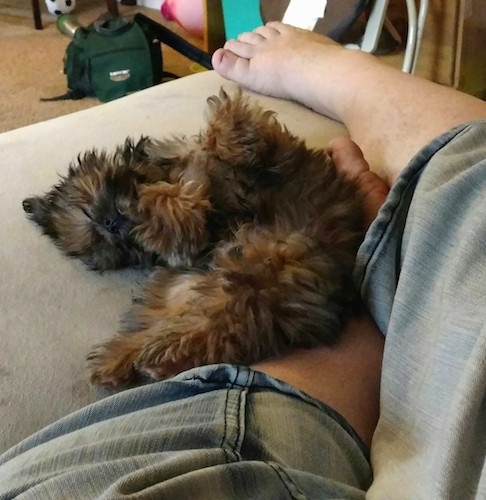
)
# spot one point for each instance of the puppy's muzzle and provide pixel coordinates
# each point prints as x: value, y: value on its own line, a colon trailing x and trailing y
x: 116, y: 224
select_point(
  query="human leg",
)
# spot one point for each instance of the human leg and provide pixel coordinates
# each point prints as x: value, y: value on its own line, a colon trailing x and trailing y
x: 422, y: 273
x: 390, y: 114
x: 345, y: 376
x: 217, y: 432
x: 421, y: 268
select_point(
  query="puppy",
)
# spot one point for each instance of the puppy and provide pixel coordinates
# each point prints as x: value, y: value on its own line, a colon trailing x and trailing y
x: 253, y: 235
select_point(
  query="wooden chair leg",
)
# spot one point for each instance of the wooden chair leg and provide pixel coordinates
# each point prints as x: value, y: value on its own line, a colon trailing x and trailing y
x: 37, y: 14
x: 112, y: 6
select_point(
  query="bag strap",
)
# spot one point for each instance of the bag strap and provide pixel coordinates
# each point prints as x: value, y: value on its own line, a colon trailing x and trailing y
x: 70, y: 95
x: 164, y: 35
x: 111, y: 26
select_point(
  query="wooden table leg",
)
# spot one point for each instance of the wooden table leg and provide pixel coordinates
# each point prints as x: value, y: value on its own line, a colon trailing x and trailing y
x: 37, y: 14
x: 214, y: 34
x: 112, y: 6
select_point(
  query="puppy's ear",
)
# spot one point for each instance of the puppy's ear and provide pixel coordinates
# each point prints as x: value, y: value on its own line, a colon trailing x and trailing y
x: 39, y: 209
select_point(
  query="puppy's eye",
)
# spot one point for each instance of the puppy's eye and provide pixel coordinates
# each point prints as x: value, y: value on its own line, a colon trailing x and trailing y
x: 85, y: 212
x: 119, y: 208
x: 237, y: 251
x: 123, y: 204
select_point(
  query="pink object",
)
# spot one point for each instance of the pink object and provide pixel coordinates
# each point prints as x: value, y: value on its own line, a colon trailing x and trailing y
x: 187, y: 13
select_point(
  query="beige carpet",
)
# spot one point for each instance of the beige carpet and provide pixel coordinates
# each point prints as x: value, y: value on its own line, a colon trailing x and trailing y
x: 31, y: 61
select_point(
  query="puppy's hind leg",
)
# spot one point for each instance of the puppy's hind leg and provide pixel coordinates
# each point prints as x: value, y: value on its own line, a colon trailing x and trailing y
x: 180, y: 323
x: 294, y: 289
x: 130, y: 358
x: 112, y: 364
x: 157, y: 333
x: 266, y: 292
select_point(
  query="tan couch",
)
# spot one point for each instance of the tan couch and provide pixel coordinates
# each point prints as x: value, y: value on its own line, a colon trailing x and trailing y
x: 52, y: 308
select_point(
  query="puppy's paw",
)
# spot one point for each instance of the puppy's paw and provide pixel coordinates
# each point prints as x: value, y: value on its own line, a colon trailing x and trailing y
x: 164, y: 357
x: 164, y: 370
x: 111, y: 366
x: 39, y: 210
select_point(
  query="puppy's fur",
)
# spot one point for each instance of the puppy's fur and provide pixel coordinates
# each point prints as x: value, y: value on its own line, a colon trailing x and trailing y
x: 254, y: 234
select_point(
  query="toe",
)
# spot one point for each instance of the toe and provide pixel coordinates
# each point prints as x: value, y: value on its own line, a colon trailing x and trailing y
x: 253, y: 38
x: 231, y: 65
x: 349, y: 159
x: 347, y: 156
x: 269, y: 30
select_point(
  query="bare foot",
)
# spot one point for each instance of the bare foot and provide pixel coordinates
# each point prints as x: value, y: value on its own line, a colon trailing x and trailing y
x: 349, y: 159
x: 277, y: 60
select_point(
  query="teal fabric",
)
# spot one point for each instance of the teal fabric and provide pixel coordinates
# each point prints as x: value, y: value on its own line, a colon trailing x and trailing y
x: 240, y: 17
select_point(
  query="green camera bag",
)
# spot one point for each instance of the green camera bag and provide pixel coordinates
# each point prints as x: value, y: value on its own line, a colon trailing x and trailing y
x: 111, y: 59
x: 116, y: 56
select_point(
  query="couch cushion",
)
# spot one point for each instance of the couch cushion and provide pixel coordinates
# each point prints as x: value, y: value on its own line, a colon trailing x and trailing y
x: 52, y: 309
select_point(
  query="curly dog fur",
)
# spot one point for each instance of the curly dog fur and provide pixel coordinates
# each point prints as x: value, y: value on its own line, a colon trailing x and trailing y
x: 253, y: 237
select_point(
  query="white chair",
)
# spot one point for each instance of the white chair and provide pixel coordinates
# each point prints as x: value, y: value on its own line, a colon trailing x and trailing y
x: 339, y: 14
x: 377, y: 19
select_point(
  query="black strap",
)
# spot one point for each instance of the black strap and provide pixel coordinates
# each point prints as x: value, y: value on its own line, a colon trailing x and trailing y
x: 167, y: 75
x: 108, y: 26
x: 70, y: 95
x: 164, y: 35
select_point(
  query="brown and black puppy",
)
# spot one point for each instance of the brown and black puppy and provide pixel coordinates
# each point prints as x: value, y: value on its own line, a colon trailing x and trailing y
x: 256, y: 235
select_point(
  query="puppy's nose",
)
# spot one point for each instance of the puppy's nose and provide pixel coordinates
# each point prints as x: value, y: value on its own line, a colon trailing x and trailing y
x: 112, y: 224
x: 27, y: 206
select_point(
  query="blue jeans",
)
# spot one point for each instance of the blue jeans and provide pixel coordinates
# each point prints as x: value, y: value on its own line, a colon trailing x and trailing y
x: 216, y: 432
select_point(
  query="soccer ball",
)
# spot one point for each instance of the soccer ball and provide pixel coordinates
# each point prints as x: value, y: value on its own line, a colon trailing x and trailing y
x: 58, y: 7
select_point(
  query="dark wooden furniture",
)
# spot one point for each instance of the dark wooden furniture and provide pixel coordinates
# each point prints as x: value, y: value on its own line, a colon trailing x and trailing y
x: 111, y: 5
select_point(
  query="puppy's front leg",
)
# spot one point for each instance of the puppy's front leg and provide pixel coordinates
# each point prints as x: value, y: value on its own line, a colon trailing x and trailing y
x: 173, y: 220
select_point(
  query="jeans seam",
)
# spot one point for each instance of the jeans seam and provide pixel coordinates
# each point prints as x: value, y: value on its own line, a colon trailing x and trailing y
x: 223, y: 439
x: 286, y: 480
x: 227, y: 447
x: 250, y: 386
